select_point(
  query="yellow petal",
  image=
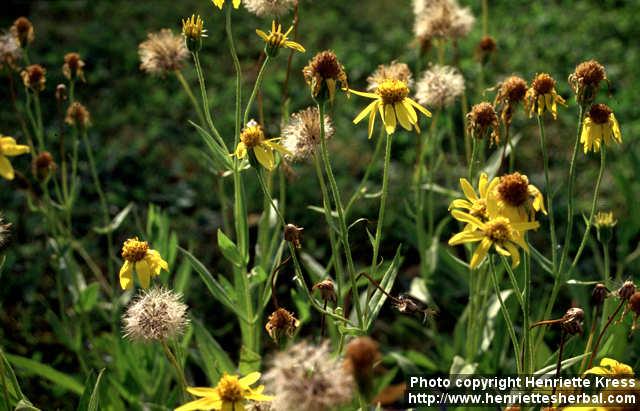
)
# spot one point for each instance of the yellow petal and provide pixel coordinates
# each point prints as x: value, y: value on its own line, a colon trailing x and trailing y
x: 218, y: 3
x: 419, y: 107
x: 480, y: 253
x: 250, y: 379
x: 11, y: 150
x: 389, y: 119
x: 468, y: 190
x: 6, y: 169
x: 144, y: 273
x: 363, y: 94
x: 201, y: 404
x: 126, y: 278
x: 236, y: 4
x: 403, y: 117
x: 372, y: 119
x: 295, y: 46
x: 413, y: 117
x: 617, y: 134
x: 460, y: 203
x: 241, y: 150
x: 466, y: 237
x: 467, y: 218
x: 259, y: 397
x: 365, y: 112
x: 204, y: 392
x: 262, y: 34
x: 265, y: 157
x: 515, y: 255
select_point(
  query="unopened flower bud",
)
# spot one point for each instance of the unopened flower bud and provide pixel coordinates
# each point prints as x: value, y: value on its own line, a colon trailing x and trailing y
x: 605, y: 222
x: 281, y: 323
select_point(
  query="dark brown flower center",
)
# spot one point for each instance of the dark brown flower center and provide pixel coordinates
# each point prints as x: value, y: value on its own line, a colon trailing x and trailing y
x: 590, y: 73
x: 514, y: 189
x: 543, y: 83
x: 599, y: 113
x: 484, y: 115
x: 514, y: 88
x: 326, y: 65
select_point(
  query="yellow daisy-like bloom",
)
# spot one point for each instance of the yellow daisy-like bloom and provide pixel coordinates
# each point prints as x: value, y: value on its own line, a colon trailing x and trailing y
x: 146, y: 262
x: 542, y: 96
x: 276, y: 39
x: 392, y: 102
x: 252, y: 139
x: 517, y: 199
x: 476, y: 203
x: 193, y: 27
x: 498, y: 231
x: 220, y: 3
x: 610, y: 367
x: 230, y: 394
x: 599, y: 124
x: 9, y: 148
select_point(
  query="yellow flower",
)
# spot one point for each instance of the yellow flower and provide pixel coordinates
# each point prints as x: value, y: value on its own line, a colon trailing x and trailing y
x: 252, y: 138
x: 391, y: 101
x: 605, y: 219
x: 475, y: 203
x: 230, y: 394
x: 542, y: 96
x: 599, y: 124
x: 498, y: 231
x: 193, y: 27
x: 220, y: 3
x: 9, y: 148
x: 146, y: 262
x: 517, y: 199
x: 610, y: 367
x: 276, y: 39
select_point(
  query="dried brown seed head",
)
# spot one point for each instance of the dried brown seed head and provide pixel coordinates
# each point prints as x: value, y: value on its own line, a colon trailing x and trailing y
x: 78, y: 115
x: 543, y: 84
x: 599, y: 294
x: 73, y: 67
x: 327, y: 290
x: 34, y: 77
x: 572, y: 321
x: 293, y: 234
x: 22, y: 29
x: 627, y: 290
x: 281, y: 322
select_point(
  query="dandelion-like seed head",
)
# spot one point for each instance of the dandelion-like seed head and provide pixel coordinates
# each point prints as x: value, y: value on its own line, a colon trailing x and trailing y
x: 393, y: 71
x: 10, y: 51
x: 134, y: 250
x: 265, y: 8
x: 462, y: 20
x: 22, y: 30
x: 301, y: 136
x: 513, y: 189
x: 73, y: 66
x: 543, y: 83
x: 34, y: 77
x: 600, y: 113
x: 440, y: 86
x: 307, y: 377
x: 481, y: 119
x: 162, y: 52
x: 499, y: 229
x: 252, y: 135
x: 627, y: 289
x: 155, y: 315
x: 78, y: 115
x: 323, y: 73
x: 392, y: 91
x: 281, y: 322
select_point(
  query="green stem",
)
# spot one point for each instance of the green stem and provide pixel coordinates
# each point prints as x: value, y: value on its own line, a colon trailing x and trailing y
x: 367, y: 172
x: 192, y: 97
x: 474, y: 155
x: 236, y: 65
x: 205, y: 101
x: 383, y: 205
x: 549, y: 195
x: 256, y: 87
x: 179, y: 371
x: 596, y: 346
x: 606, y: 261
x: 507, y: 317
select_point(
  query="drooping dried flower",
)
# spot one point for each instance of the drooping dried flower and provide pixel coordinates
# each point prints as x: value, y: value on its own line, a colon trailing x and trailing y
x: 281, y: 323
x: 510, y: 93
x: 627, y: 289
x: 323, y: 74
x: 483, y: 119
x: 327, y: 290
x: 269, y: 8
x: 362, y: 355
x: 486, y: 47
x: 599, y: 294
x: 10, y: 51
x: 73, y: 67
x: 585, y: 80
x: 572, y: 321
x: 293, y: 234
x: 162, y: 52
x: 155, y: 315
x: 78, y: 115
x: 43, y: 165
x: 34, y: 77
x: 393, y: 71
x: 22, y: 30
x: 307, y: 377
x: 542, y: 96
x: 301, y: 136
x: 439, y: 86
x: 61, y: 93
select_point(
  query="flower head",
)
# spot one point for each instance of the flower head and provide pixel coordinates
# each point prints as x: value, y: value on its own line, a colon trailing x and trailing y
x: 276, y: 39
x: 281, y: 322
x: 231, y: 394
x: 307, y: 377
x: 220, y: 3
x: 274, y: 8
x: 10, y: 51
x: 22, y: 30
x: 611, y: 367
x: 362, y: 355
x: 486, y: 47
x: 78, y: 116
x: 73, y: 67
x: 441, y: 19
x: 393, y: 71
x: 542, y: 96
x: 162, y: 52
x: 254, y: 143
x: 9, y: 148
x: 34, y: 77
x: 585, y: 80
x: 301, y: 136
x: 483, y: 119
x: 327, y: 290
x: 323, y: 73
x: 139, y: 257
x: 517, y: 199
x: 510, y: 93
x: 193, y: 31
x: 43, y: 165
x: 156, y: 315
x: 475, y: 203
x: 391, y: 101
x: 499, y: 232
x: 599, y: 124
x: 439, y: 86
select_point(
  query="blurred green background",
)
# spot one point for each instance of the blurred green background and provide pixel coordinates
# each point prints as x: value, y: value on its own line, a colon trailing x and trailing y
x: 147, y: 153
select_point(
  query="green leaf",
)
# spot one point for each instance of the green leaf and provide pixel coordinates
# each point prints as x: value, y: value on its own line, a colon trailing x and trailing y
x: 249, y: 360
x: 544, y: 262
x: 116, y: 222
x: 88, y: 298
x: 215, y: 360
x: 220, y: 157
x: 25, y: 405
x: 11, y: 383
x: 551, y: 369
x: 34, y: 367
x: 378, y: 298
x: 229, y: 249
x: 90, y: 399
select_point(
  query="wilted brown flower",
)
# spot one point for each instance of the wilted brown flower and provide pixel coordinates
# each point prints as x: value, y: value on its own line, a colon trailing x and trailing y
x: 572, y: 321
x: 266, y: 8
x: 439, y: 86
x: 43, y: 165
x: 542, y: 96
x: 281, y: 322
x: 323, y: 74
x: 327, y: 290
x: 510, y: 92
x: 486, y: 47
x: 73, y: 67
x: 362, y: 356
x: 34, y: 77
x: 293, y: 234
x: 301, y: 136
x: 393, y: 71
x: 634, y: 306
x: 599, y: 294
x: 307, y: 377
x: 78, y: 115
x: 162, y: 52
x: 10, y: 51
x: 483, y: 119
x: 22, y: 30
x: 585, y: 80
x: 61, y: 92
x: 627, y: 290
x: 155, y: 315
